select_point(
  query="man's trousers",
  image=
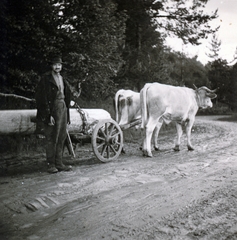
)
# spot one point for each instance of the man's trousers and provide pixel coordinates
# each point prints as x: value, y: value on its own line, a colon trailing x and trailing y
x: 56, y: 135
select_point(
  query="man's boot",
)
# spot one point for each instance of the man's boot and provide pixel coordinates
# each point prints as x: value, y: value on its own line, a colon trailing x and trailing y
x: 60, y: 166
x: 63, y: 167
x: 59, y: 161
x: 52, y: 169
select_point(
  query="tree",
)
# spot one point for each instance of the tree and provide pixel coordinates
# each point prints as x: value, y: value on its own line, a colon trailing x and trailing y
x: 185, y: 71
x: 93, y: 31
x: 26, y: 28
x: 233, y: 88
x: 219, y: 76
x: 219, y: 73
x: 215, y: 46
x: 86, y: 33
x: 114, y: 43
x: 147, y: 25
x: 143, y: 49
x: 234, y: 57
x: 184, y: 19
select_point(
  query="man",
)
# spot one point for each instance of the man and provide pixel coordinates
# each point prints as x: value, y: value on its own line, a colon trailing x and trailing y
x: 52, y: 101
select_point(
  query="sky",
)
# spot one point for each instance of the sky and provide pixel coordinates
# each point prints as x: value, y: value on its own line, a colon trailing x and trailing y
x: 227, y: 33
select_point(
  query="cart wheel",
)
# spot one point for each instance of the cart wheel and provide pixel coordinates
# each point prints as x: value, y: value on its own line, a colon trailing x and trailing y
x: 107, y: 140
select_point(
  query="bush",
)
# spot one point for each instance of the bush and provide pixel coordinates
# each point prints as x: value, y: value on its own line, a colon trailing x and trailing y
x: 217, y: 109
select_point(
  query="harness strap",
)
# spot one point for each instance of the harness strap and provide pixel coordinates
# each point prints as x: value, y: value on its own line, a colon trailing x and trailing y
x: 198, y: 98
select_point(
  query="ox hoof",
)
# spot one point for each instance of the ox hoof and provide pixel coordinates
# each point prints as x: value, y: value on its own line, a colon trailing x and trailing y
x: 123, y: 151
x: 190, y: 148
x: 156, y: 149
x: 176, y: 148
x: 146, y: 154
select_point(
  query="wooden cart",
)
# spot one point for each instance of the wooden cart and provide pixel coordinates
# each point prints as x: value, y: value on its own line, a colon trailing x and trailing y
x: 105, y: 133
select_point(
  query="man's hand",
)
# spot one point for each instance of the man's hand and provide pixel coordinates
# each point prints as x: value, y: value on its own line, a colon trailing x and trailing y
x: 52, y: 121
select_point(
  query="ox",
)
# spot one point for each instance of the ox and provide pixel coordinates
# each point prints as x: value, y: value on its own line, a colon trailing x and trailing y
x: 127, y: 106
x: 128, y: 110
x: 164, y: 103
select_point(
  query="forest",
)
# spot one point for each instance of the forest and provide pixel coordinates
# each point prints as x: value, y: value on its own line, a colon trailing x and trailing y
x: 107, y: 45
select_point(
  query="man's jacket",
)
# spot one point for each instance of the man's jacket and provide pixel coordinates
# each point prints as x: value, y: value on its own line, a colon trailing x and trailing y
x: 45, y: 96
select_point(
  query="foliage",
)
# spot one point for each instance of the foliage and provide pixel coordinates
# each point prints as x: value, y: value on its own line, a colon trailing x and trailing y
x: 184, y: 19
x: 233, y: 88
x: 95, y: 31
x: 109, y: 44
x: 222, y: 75
x: 142, y: 51
x: 148, y: 23
x: 215, y: 46
x: 25, y: 36
x: 219, y: 76
x: 184, y: 71
x: 86, y: 33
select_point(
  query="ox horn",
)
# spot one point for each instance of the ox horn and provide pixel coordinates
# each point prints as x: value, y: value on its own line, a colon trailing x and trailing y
x: 195, y: 87
x: 215, y: 90
x: 209, y: 93
x: 209, y: 90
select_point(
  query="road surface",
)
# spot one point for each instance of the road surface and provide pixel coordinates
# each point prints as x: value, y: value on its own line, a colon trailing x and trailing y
x: 174, y: 195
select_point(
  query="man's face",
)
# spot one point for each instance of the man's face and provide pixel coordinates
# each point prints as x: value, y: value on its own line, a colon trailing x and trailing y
x: 57, y: 67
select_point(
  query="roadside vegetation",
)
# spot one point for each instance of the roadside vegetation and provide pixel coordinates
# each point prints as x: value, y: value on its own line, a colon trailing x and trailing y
x: 110, y: 45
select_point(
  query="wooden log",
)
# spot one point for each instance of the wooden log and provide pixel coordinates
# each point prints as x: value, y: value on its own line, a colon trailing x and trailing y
x: 24, y: 121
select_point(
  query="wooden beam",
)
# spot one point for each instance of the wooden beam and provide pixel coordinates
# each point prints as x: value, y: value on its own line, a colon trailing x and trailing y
x: 16, y: 97
x: 132, y: 124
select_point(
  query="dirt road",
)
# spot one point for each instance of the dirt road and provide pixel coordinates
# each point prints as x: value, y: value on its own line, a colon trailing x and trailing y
x: 174, y: 195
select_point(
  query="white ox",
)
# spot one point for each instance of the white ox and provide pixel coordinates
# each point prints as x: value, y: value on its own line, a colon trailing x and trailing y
x: 128, y: 110
x: 127, y: 106
x: 164, y: 103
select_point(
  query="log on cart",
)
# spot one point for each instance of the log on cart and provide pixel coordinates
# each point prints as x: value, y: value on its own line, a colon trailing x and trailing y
x: 106, y: 135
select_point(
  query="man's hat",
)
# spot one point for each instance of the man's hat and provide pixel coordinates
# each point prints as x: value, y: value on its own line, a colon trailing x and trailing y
x: 56, y: 60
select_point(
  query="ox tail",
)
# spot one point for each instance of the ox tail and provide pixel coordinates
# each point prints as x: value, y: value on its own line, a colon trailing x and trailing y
x: 116, y: 103
x: 143, y: 101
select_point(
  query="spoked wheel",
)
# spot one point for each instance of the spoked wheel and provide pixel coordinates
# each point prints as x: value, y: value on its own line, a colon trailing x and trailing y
x: 107, y: 140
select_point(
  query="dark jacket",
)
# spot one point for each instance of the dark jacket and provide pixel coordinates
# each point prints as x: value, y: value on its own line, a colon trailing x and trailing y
x: 45, y: 96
